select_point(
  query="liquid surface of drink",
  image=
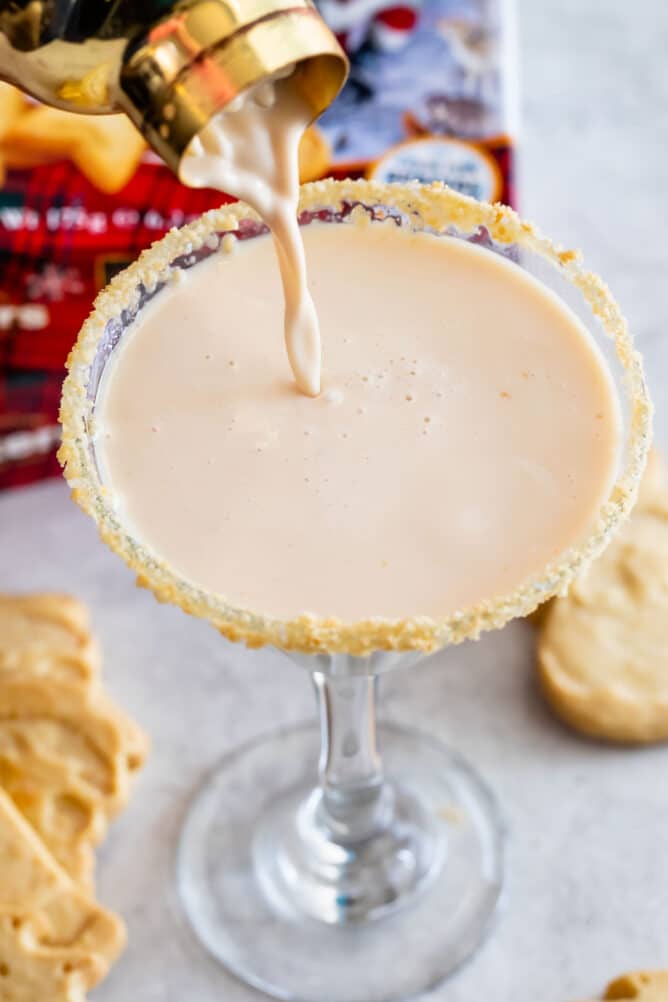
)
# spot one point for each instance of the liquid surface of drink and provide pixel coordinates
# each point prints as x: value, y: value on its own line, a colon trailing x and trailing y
x: 466, y: 433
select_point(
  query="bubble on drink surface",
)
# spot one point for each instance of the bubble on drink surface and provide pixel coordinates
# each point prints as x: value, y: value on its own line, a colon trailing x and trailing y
x: 333, y: 396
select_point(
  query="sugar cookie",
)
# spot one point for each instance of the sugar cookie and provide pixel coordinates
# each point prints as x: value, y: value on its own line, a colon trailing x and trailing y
x: 67, y: 760
x: 640, y: 986
x: 47, y: 634
x: 55, y: 942
x: 603, y: 649
x: 105, y: 148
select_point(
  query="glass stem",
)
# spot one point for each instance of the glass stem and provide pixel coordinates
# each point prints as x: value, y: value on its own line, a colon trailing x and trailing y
x: 355, y: 802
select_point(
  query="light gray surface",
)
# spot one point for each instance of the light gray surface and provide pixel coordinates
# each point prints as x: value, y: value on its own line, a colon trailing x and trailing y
x: 588, y: 874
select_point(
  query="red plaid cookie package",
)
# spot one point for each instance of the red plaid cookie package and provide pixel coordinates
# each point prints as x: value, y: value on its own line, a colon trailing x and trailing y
x: 431, y: 95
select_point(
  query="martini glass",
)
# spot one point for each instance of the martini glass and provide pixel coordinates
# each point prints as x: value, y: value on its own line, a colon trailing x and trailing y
x: 345, y: 862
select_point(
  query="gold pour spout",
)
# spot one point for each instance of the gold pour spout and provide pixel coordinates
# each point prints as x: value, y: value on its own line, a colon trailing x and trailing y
x: 169, y: 65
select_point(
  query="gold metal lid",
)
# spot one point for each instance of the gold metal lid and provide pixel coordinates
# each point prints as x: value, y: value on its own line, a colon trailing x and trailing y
x: 194, y: 62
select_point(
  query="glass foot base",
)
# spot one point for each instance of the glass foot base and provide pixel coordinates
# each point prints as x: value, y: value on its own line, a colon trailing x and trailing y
x: 251, y: 893
x: 302, y: 872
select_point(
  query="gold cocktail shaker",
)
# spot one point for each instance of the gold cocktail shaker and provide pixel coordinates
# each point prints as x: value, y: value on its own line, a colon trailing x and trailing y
x: 169, y: 64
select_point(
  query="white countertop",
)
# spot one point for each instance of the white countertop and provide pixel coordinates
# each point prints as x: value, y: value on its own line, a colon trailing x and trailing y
x: 588, y: 874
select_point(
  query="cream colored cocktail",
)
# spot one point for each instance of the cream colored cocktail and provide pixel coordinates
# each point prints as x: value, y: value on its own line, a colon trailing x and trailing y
x: 466, y: 434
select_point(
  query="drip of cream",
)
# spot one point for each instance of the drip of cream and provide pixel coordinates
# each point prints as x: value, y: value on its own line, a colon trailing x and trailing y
x: 250, y: 150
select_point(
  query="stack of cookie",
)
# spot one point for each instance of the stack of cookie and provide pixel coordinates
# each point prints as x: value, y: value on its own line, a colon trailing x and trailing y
x: 603, y: 648
x: 68, y: 756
